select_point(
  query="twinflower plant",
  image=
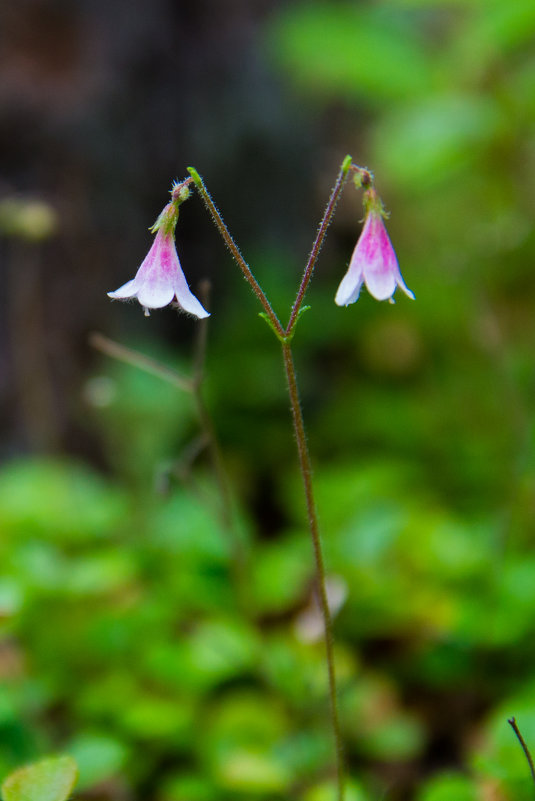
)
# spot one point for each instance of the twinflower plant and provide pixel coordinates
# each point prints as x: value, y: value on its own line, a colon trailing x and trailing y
x: 160, y: 281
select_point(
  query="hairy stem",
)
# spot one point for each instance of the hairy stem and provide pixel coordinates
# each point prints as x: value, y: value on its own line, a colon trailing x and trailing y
x: 316, y: 247
x: 306, y: 474
x: 232, y: 246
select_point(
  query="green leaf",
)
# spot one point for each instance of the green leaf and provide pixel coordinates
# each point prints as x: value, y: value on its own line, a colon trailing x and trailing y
x: 248, y: 770
x: 327, y: 791
x: 281, y: 573
x: 428, y: 141
x: 337, y: 48
x: 57, y: 499
x: 50, y: 779
x: 448, y: 786
x: 98, y: 756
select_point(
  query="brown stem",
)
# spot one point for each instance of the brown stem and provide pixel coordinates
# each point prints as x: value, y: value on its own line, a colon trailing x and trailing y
x: 306, y: 474
x: 512, y: 722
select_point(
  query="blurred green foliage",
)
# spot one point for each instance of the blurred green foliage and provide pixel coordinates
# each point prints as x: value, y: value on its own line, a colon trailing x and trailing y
x: 169, y: 654
x: 50, y: 779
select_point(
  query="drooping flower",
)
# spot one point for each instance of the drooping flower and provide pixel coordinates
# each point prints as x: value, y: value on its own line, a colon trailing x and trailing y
x: 160, y: 280
x: 374, y: 261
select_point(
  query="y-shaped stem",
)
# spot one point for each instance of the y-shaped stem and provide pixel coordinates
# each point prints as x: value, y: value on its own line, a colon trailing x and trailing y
x: 285, y: 335
x: 306, y: 474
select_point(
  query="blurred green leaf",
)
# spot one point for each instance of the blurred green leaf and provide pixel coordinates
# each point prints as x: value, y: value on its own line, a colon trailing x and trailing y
x: 98, y: 756
x: 218, y: 650
x: 50, y: 779
x: 328, y: 792
x: 448, y: 786
x: 60, y: 500
x: 376, y: 723
x: 426, y: 142
x: 281, y: 573
x: 150, y: 717
x: 247, y: 770
x: 188, y: 787
x: 352, y: 51
x: 186, y: 526
x: 245, y: 718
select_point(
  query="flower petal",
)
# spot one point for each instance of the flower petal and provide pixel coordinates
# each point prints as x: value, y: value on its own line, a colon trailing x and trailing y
x: 155, y: 292
x: 349, y: 288
x: 171, y: 264
x: 124, y: 292
x: 402, y: 285
x: 186, y: 299
x: 380, y: 281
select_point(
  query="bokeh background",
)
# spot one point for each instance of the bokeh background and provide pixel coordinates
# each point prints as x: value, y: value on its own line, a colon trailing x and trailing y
x: 178, y: 657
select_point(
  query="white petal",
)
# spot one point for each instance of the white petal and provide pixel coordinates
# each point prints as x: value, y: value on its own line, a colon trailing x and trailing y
x: 124, y: 292
x: 348, y: 291
x: 402, y: 285
x: 154, y: 294
x: 186, y: 299
x: 380, y: 283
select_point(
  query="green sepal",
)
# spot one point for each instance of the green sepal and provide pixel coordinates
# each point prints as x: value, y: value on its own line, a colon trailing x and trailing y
x: 269, y: 321
x: 373, y: 204
x: 183, y: 192
x: 358, y: 178
x: 167, y: 219
x: 301, y: 311
x: 284, y: 338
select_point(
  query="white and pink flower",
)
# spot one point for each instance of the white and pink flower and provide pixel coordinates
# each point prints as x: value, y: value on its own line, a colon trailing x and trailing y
x: 160, y: 280
x: 373, y: 262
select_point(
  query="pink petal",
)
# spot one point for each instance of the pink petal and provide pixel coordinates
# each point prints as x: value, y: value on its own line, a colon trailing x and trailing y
x: 156, y: 276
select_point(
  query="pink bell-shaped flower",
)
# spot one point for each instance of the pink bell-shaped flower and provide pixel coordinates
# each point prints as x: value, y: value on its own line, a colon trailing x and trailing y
x: 373, y: 262
x: 160, y: 280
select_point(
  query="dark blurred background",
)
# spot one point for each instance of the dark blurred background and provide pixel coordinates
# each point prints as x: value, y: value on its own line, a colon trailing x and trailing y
x: 176, y: 656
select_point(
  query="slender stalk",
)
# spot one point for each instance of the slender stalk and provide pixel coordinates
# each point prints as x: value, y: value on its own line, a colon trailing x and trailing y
x: 316, y: 247
x: 306, y: 473
x: 123, y: 354
x: 237, y: 552
x: 232, y: 246
x: 512, y: 722
x: 205, y: 419
x: 208, y: 437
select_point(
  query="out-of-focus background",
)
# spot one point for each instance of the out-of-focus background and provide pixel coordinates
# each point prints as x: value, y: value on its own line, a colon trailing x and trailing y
x: 176, y: 657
